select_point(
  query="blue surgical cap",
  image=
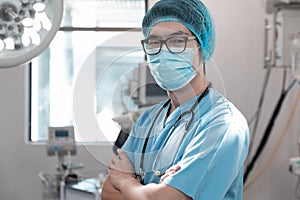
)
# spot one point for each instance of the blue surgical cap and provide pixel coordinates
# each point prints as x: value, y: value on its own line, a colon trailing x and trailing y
x: 192, y: 14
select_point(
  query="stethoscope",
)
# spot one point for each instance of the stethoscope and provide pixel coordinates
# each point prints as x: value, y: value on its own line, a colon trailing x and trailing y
x: 188, y: 112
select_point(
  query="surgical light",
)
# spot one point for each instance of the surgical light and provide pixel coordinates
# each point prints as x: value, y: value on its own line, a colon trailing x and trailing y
x: 39, y: 7
x: 2, y: 45
x: 9, y: 43
x: 26, y: 28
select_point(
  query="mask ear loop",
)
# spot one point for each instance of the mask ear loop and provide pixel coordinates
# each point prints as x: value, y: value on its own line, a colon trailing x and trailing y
x: 201, y: 61
x: 201, y: 58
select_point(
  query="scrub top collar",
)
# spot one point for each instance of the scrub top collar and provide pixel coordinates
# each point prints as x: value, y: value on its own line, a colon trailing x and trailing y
x: 181, y: 108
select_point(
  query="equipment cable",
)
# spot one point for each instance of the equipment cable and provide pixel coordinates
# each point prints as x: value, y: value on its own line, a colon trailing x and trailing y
x: 258, y: 111
x: 273, y: 153
x: 267, y: 131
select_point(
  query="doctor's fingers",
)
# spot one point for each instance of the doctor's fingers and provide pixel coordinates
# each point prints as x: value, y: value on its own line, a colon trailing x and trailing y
x: 118, y: 164
x: 166, y: 175
x: 115, y: 160
x: 113, y: 166
x: 122, y: 155
x: 169, y: 172
x: 173, y: 169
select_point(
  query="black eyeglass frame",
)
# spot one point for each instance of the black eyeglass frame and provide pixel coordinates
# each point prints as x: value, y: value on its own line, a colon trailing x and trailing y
x: 186, y: 38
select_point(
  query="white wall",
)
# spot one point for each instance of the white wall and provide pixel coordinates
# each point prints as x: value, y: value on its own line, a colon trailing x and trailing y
x: 239, y: 57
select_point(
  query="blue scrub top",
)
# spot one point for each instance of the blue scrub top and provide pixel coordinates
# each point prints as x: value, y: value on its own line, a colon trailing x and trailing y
x: 211, y: 152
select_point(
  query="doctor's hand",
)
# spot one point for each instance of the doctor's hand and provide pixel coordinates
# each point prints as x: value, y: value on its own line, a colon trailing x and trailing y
x: 169, y: 172
x: 120, y: 169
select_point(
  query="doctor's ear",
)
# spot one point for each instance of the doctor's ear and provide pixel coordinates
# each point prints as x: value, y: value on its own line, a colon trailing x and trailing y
x: 200, y: 54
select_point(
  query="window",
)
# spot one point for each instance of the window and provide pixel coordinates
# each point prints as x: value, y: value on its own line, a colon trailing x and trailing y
x: 89, y: 61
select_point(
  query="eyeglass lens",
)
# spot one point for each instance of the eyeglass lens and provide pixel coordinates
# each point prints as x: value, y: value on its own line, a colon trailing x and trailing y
x: 174, y: 45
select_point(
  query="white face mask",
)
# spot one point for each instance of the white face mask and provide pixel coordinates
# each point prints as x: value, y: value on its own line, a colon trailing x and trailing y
x: 172, y: 71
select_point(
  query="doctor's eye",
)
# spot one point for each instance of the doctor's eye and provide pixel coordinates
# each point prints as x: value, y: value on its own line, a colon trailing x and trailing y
x: 176, y: 42
x: 154, y: 44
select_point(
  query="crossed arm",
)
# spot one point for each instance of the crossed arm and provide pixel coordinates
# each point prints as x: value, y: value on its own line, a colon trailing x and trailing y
x: 121, y: 184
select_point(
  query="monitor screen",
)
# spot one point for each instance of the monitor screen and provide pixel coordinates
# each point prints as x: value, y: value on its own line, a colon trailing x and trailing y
x: 61, y: 133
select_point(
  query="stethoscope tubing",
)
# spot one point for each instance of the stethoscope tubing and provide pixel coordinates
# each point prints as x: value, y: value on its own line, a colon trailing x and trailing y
x: 190, y: 111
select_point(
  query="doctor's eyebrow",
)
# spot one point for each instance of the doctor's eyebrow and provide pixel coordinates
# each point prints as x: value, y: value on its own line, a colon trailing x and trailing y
x: 177, y: 33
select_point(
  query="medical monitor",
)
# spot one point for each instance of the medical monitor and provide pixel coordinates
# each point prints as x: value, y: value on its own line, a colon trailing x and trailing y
x: 61, y: 141
x: 271, y: 4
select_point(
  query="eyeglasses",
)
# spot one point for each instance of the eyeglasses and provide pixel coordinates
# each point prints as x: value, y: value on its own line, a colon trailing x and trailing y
x: 175, y: 44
